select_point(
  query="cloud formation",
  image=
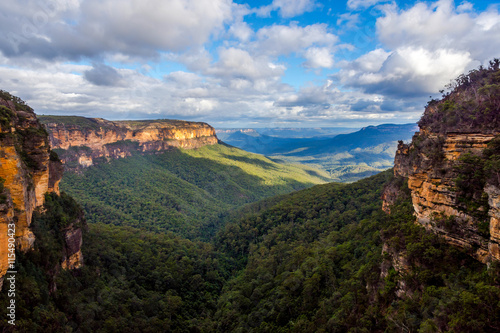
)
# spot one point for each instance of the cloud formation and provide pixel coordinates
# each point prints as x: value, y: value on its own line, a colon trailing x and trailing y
x: 359, y: 4
x: 75, y: 29
x: 429, y: 43
x: 103, y: 75
x: 235, y: 65
x: 287, y: 8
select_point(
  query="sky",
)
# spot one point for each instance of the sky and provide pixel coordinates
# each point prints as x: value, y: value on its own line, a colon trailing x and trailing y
x: 264, y: 63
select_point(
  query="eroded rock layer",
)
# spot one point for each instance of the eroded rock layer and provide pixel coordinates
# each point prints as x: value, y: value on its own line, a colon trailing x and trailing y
x: 452, y: 165
x: 86, y: 140
x: 28, y: 171
x: 432, y: 165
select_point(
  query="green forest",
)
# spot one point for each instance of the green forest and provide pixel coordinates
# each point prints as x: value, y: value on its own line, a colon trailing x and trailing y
x: 309, y: 261
x: 188, y: 192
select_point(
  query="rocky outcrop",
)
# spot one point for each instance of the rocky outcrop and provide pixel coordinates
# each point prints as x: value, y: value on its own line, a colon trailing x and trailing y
x: 431, y: 164
x: 72, y: 257
x: 81, y: 142
x: 28, y: 170
x: 399, y: 261
x: 494, y: 213
x: 452, y: 166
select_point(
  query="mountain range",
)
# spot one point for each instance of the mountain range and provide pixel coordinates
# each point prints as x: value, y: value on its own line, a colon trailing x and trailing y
x: 345, y: 157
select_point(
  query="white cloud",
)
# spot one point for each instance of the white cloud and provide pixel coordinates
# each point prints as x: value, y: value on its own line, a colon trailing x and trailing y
x: 242, y: 31
x: 313, y: 42
x: 411, y: 72
x: 441, y: 25
x: 348, y: 20
x: 317, y: 57
x: 357, y: 4
x: 287, y: 8
x: 292, y: 8
x: 239, y: 63
x: 90, y: 28
x: 184, y: 79
x: 465, y: 6
x: 283, y: 40
x: 429, y: 44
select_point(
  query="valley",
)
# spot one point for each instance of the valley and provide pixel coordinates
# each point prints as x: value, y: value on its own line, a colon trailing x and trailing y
x: 345, y: 155
x: 158, y: 226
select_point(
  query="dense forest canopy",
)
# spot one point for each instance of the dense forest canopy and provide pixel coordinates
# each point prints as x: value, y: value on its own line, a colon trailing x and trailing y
x: 310, y: 261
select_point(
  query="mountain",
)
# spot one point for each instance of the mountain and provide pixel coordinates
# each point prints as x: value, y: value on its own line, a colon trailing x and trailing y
x: 346, y: 157
x: 453, y: 165
x: 285, y: 132
x: 81, y: 141
x: 327, y: 259
x: 163, y: 175
x: 29, y: 180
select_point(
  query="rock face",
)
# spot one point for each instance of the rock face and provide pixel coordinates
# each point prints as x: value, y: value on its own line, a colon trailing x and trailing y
x: 86, y: 141
x: 452, y: 172
x: 72, y: 257
x: 28, y: 170
x: 434, y: 194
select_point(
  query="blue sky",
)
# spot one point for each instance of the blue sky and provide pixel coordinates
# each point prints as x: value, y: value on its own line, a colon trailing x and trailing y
x: 274, y: 63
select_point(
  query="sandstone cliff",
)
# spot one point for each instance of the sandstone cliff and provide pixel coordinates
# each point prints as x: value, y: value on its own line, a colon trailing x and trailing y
x: 28, y: 170
x: 452, y: 165
x: 81, y: 142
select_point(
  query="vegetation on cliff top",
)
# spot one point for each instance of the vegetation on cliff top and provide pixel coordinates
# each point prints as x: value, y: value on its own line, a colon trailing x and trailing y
x: 94, y: 124
x: 471, y: 105
x: 79, y: 122
x: 18, y: 102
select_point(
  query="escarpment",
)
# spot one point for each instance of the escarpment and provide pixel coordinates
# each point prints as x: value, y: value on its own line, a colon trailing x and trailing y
x: 28, y: 170
x: 82, y: 142
x: 452, y: 165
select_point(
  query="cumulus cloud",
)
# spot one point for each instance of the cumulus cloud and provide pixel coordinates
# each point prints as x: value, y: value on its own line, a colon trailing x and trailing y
x: 429, y: 44
x: 184, y: 79
x: 313, y: 42
x: 441, y: 25
x: 287, y: 8
x: 103, y: 75
x: 317, y: 57
x: 72, y: 29
x: 406, y: 72
x: 283, y: 40
x: 358, y: 4
x: 292, y: 8
x: 242, y: 31
x: 238, y: 63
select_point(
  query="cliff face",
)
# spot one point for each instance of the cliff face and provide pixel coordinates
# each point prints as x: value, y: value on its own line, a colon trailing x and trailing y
x: 436, y: 198
x: 452, y: 171
x: 85, y: 140
x: 28, y: 170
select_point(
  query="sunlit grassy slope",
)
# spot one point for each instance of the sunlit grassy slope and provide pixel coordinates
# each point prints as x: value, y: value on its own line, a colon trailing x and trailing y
x: 184, y: 191
x: 344, y: 157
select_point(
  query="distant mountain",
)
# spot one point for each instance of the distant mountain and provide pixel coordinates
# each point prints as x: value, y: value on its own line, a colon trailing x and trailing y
x: 346, y: 157
x: 281, y: 132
